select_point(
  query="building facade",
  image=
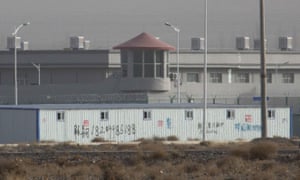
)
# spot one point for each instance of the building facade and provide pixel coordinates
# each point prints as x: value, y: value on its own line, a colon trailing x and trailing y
x: 82, y: 123
x: 100, y: 76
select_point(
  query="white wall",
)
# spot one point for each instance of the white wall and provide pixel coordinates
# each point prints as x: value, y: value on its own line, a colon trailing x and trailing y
x: 125, y: 125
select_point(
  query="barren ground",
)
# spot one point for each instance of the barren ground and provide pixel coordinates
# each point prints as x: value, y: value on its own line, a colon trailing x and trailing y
x: 274, y: 158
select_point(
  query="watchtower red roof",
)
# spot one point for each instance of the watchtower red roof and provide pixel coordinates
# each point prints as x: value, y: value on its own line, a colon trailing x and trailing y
x: 144, y: 41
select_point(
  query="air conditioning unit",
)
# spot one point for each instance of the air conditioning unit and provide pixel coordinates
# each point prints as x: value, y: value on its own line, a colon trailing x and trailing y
x: 11, y: 44
x: 197, y: 43
x: 257, y: 44
x: 24, y: 45
x: 243, y: 43
x: 87, y: 44
x: 77, y: 42
x: 286, y: 43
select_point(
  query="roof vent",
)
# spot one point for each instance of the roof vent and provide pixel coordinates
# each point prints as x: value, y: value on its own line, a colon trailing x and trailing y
x: 11, y: 44
x: 77, y: 42
x: 24, y: 45
x: 243, y: 43
x: 197, y: 43
x: 286, y: 43
x: 257, y: 44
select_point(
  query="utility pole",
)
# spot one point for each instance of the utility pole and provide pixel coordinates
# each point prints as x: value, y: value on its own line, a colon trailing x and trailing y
x: 205, y: 73
x: 263, y: 75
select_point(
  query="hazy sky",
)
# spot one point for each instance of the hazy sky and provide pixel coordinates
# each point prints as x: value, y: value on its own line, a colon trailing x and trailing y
x: 109, y: 22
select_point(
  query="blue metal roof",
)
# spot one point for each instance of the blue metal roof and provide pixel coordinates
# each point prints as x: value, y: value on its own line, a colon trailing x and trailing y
x: 120, y: 106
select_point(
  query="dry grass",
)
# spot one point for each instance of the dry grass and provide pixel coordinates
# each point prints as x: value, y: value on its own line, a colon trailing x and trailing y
x: 263, y: 150
x: 155, y: 160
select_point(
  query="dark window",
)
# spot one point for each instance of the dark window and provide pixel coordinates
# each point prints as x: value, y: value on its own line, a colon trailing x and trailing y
x: 104, y: 115
x: 149, y: 70
x: 159, y: 70
x: 271, y: 114
x: 149, y: 56
x: 189, y: 115
x: 124, y: 56
x: 288, y: 78
x: 124, y: 70
x: 137, y: 70
x: 147, y: 115
x: 159, y: 56
x: 60, y: 116
x: 215, y: 77
x: 230, y: 114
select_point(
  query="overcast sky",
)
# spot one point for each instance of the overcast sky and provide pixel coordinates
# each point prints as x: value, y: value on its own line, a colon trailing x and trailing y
x: 107, y: 23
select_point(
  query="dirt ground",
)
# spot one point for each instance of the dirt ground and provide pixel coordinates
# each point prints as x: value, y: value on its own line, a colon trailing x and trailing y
x: 274, y: 158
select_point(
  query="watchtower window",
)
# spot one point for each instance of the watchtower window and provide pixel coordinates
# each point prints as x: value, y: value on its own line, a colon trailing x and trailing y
x: 148, y: 63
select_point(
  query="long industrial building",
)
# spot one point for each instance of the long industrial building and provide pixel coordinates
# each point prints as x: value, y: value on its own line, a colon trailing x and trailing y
x: 82, y: 123
x: 144, y: 70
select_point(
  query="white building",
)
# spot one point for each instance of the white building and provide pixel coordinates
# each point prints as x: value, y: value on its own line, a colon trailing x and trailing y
x: 81, y: 123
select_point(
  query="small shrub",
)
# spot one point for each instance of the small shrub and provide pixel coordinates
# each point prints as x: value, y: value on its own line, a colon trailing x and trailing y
x: 206, y: 143
x: 98, y: 139
x: 7, y: 165
x: 172, y: 138
x: 231, y: 164
x: 191, y: 167
x: 193, y: 139
x: 240, y: 151
x: 263, y: 150
x: 156, y: 149
x: 159, y: 155
x: 146, y: 141
x: 113, y: 170
x: 133, y: 160
x: 61, y: 160
x: 156, y: 138
x: 127, y: 147
x: 212, y: 170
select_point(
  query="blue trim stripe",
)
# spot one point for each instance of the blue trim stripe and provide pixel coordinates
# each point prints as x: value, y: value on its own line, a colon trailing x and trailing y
x: 291, y: 123
x: 38, y: 125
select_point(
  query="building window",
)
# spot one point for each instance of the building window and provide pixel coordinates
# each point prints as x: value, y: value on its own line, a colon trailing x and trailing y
x: 147, y: 115
x: 149, y: 70
x: 192, y: 77
x: 215, y: 77
x: 124, y: 56
x: 159, y: 56
x: 148, y: 63
x: 124, y: 70
x: 149, y: 56
x: 159, y: 70
x: 137, y: 70
x: 159, y: 63
x: 230, y: 114
x: 124, y: 61
x: 242, y: 77
x: 271, y: 114
x: 269, y: 77
x: 60, y: 116
x: 288, y: 78
x: 23, y: 78
x: 104, y: 115
x: 138, y: 56
x: 189, y: 115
